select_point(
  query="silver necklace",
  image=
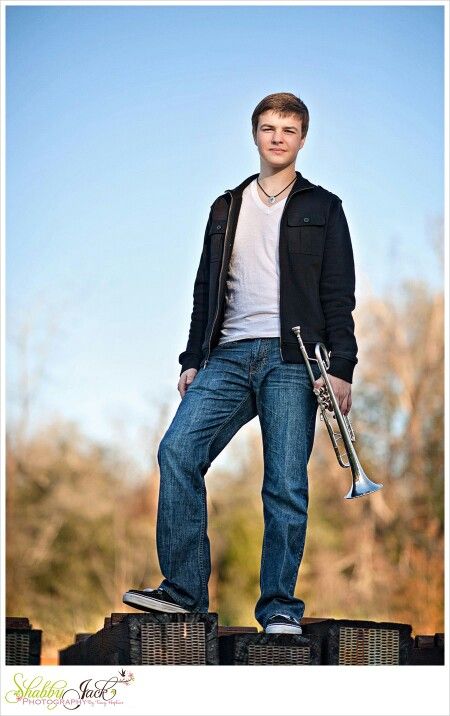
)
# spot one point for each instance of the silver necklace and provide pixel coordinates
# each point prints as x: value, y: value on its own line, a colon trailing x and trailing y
x: 272, y: 197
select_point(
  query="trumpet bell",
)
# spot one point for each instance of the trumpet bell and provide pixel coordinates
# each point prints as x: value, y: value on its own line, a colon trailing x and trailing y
x: 361, y: 485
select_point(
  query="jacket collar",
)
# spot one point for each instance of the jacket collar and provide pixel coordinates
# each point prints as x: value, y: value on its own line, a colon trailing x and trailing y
x: 300, y: 183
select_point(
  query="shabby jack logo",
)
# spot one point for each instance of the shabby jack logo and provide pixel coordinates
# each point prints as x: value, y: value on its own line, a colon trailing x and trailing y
x: 33, y: 691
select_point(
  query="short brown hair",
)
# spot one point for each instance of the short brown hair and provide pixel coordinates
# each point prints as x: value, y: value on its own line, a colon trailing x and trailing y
x: 284, y: 103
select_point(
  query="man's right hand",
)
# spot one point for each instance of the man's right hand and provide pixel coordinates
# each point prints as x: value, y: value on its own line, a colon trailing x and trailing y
x: 186, y: 379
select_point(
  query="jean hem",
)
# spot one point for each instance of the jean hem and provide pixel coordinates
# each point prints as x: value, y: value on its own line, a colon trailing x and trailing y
x: 180, y: 602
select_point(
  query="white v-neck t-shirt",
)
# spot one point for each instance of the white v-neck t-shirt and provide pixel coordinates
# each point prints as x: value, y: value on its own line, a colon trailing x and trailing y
x: 253, y: 282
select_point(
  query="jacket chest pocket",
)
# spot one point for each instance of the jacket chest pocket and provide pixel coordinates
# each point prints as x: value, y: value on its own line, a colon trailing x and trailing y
x: 306, y: 233
x: 216, y: 237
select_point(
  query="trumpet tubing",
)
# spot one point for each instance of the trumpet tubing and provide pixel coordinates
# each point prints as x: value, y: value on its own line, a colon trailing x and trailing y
x: 361, y: 484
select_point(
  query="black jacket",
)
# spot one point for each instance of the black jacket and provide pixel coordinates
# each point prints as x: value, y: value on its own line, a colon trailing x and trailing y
x: 317, y: 277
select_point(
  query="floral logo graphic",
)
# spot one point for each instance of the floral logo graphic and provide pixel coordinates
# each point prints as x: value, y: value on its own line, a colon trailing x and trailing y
x: 34, y: 692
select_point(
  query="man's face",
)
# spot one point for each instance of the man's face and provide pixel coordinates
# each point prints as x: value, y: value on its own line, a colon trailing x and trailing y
x: 279, y: 138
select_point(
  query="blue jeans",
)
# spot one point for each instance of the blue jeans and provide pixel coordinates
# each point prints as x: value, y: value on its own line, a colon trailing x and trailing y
x: 242, y: 379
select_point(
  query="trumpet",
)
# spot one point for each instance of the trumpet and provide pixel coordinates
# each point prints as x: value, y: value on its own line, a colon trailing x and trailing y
x: 361, y: 484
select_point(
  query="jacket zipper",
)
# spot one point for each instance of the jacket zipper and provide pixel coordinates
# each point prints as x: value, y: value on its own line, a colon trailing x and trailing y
x: 297, y: 191
x: 220, y: 276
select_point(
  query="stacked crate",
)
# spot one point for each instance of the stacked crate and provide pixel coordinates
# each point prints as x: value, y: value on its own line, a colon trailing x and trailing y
x: 348, y: 642
x: 150, y: 638
x: 428, y: 650
x: 23, y: 643
x: 261, y: 649
x: 75, y: 654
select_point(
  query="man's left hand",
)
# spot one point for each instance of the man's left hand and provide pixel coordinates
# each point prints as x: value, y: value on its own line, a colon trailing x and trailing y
x: 342, y: 391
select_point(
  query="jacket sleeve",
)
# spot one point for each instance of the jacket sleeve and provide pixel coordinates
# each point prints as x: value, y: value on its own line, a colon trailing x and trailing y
x: 192, y: 356
x: 337, y: 294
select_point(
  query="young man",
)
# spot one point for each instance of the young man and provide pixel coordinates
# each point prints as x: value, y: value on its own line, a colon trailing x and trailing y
x: 277, y: 253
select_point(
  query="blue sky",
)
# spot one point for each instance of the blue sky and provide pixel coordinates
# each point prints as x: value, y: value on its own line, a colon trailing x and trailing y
x: 123, y: 124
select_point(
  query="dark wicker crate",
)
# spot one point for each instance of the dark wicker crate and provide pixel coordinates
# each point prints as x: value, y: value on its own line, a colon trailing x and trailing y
x: 75, y: 653
x: 428, y: 651
x: 152, y: 638
x: 23, y: 643
x: 263, y: 649
x: 82, y: 635
x: 319, y: 628
x: 367, y: 643
x: 18, y: 623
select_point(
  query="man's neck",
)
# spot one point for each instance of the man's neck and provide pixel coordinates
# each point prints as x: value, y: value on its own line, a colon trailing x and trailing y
x: 274, y: 180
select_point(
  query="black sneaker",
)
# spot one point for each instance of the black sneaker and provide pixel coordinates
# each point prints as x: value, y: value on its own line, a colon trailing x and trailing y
x: 152, y: 600
x: 281, y: 624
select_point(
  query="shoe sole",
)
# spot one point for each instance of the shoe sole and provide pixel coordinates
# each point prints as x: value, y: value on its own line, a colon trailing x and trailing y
x: 282, y: 629
x: 152, y: 605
